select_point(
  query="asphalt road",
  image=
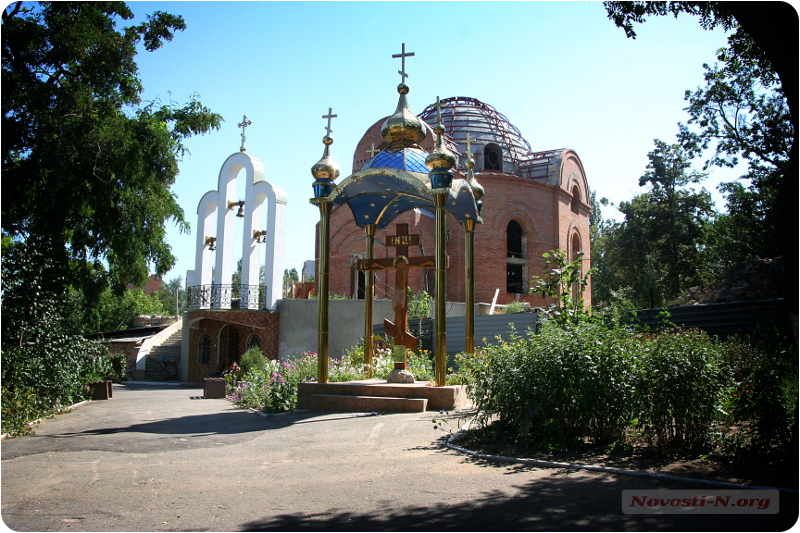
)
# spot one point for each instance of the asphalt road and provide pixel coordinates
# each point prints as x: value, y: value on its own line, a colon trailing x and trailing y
x: 166, y: 459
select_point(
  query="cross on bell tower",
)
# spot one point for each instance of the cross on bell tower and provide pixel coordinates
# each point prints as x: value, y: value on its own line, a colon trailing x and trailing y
x: 243, y: 124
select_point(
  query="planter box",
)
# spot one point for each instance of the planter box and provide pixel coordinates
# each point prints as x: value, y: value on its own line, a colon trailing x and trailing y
x: 101, y: 390
x: 214, y: 387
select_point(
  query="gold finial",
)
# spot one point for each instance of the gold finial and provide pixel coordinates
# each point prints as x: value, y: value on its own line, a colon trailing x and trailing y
x: 403, y: 128
x: 326, y: 170
x: 440, y: 158
x: 477, y: 188
x: 403, y: 55
x: 243, y: 124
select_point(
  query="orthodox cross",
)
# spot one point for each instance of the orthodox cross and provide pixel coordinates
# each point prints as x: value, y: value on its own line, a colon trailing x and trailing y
x: 243, y: 124
x: 329, y: 116
x: 401, y: 264
x: 403, y: 55
x: 468, y: 140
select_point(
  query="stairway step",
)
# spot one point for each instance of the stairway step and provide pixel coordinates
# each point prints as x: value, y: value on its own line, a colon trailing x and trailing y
x: 334, y: 403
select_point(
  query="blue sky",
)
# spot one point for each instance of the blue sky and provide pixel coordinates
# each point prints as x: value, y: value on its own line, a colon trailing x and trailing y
x: 561, y: 72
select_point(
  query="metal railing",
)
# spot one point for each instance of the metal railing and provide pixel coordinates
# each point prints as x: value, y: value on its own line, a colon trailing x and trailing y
x: 226, y: 296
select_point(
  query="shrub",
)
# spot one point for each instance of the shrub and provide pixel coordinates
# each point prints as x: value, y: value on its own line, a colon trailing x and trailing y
x: 253, y: 360
x: 680, y: 385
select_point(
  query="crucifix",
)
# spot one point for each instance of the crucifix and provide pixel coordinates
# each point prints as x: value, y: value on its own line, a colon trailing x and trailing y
x: 329, y: 116
x: 243, y: 124
x: 403, y: 55
x: 401, y: 264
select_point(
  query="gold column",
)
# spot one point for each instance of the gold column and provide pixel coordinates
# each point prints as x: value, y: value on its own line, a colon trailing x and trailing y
x: 369, y: 299
x: 469, y: 245
x: 439, y: 199
x: 322, y: 287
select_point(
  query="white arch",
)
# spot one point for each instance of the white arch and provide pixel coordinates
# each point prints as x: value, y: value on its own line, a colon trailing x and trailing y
x: 257, y: 191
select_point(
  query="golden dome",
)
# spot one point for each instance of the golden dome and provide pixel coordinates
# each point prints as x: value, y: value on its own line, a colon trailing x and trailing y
x: 326, y: 168
x: 440, y: 158
x: 403, y: 128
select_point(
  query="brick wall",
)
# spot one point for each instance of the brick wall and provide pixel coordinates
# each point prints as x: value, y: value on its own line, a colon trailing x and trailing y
x: 264, y: 324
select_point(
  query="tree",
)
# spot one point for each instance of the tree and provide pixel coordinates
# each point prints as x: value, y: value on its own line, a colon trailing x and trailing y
x: 289, y: 277
x: 765, y: 35
x: 167, y: 296
x: 742, y: 112
x: 656, y: 251
x: 86, y: 165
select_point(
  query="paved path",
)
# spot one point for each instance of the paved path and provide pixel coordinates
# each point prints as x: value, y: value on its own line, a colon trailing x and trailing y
x: 165, y: 459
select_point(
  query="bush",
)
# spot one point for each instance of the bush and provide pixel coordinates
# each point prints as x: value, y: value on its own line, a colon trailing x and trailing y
x: 680, y: 386
x: 570, y: 383
x: 253, y: 360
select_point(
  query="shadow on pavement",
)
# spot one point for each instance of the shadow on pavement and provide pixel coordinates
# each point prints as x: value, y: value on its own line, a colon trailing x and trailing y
x: 558, y: 503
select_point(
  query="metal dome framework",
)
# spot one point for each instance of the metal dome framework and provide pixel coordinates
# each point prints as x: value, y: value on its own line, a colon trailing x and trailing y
x: 462, y: 115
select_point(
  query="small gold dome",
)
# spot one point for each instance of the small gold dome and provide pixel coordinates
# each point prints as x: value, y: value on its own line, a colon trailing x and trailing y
x: 440, y: 158
x: 326, y: 168
x: 403, y: 128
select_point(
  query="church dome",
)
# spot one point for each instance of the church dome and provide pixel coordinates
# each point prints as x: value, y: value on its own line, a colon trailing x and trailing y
x: 403, y: 128
x: 489, y: 128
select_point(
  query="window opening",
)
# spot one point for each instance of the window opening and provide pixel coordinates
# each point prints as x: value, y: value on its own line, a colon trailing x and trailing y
x: 204, y: 350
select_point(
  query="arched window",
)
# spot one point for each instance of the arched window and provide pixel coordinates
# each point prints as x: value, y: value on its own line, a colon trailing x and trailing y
x: 204, y: 350
x: 576, y: 200
x: 253, y: 341
x: 228, y: 352
x: 492, y: 157
x: 514, y: 239
x: 575, y: 253
x: 515, y: 258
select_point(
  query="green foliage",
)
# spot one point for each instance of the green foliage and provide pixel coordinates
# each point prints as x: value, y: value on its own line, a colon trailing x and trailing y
x: 675, y: 389
x: 45, y: 363
x: 88, y: 165
x: 679, y: 387
x: 764, y: 396
x: 253, y: 360
x: 565, y: 281
x: 514, y: 307
x: 419, y: 305
x: 658, y: 250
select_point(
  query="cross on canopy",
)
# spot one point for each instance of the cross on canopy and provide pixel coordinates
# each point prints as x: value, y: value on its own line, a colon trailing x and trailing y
x: 329, y: 116
x: 403, y: 55
x: 401, y: 263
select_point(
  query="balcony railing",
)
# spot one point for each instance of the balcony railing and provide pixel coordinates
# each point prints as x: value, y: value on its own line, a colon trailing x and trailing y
x: 230, y: 296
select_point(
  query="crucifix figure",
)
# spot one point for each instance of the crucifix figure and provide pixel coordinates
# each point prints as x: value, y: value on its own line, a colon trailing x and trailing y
x: 401, y: 264
x: 243, y: 124
x: 403, y: 55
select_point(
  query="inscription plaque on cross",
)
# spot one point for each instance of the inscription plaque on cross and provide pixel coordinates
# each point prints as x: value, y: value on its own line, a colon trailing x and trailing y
x: 401, y: 264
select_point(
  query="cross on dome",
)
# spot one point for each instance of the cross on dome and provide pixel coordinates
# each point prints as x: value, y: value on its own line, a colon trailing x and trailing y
x: 243, y: 124
x: 468, y: 140
x: 329, y: 116
x: 403, y: 55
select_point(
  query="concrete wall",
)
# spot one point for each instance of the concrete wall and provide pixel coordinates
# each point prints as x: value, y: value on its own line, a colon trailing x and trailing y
x: 298, y: 330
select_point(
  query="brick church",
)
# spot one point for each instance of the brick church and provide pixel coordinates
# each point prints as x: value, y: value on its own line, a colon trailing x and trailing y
x: 533, y: 202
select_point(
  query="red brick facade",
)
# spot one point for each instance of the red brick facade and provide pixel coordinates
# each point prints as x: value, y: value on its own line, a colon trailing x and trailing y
x: 552, y: 212
x: 265, y: 325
